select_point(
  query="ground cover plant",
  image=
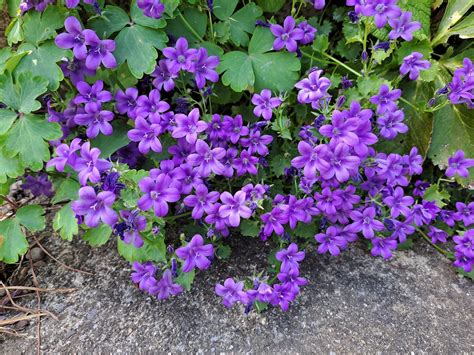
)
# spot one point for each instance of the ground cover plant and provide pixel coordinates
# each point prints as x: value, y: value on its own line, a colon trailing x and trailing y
x: 174, y: 125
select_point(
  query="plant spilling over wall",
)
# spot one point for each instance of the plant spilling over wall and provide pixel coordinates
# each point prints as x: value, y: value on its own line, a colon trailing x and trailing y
x: 175, y: 125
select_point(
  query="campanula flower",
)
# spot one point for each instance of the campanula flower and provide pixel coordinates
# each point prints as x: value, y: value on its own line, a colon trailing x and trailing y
x: 264, y: 104
x: 73, y: 38
x: 384, y: 247
x: 65, y: 155
x: 95, y: 207
x: 96, y: 120
x: 158, y: 193
x: 196, y: 254
x: 290, y: 258
x: 202, y: 201
x: 180, y: 57
x: 100, y: 51
x: 143, y: 274
x: 165, y: 287
x: 458, y: 164
x: 332, y: 241
x: 403, y: 27
x: 203, y: 67
x: 151, y: 106
x: 206, y: 159
x: 386, y: 99
x: 234, y: 207
x: 147, y: 135
x: 151, y: 8
x: 231, y: 292
x: 412, y: 64
x: 89, y: 165
x: 365, y: 222
x: 382, y: 10
x: 188, y: 126
x: 287, y: 35
x: 126, y: 102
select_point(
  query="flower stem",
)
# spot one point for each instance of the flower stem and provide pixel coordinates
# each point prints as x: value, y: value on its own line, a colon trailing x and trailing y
x: 408, y: 103
x: 353, y: 71
x: 446, y: 253
x: 172, y: 218
x: 188, y: 25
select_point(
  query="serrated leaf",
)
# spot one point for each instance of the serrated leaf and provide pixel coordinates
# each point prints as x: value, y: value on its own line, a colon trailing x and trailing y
x: 278, y: 163
x: 185, y: 279
x: 258, y: 69
x: 31, y: 217
x: 66, y: 223
x: 223, y: 9
x: 170, y: 6
x: 137, y: 46
x: 13, y: 243
x: 14, y: 31
x: 7, y: 118
x: 453, y: 130
x: 40, y: 26
x: 65, y: 190
x: 249, y: 228
x: 112, y: 19
x: 433, y: 193
x: 98, y: 236
x: 31, y: 131
x: 42, y: 61
x: 21, y: 94
x: 223, y: 252
x: 9, y: 168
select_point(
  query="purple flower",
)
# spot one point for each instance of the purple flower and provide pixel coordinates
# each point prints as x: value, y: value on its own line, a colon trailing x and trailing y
x: 291, y: 279
x: 165, y: 288
x: 465, y: 243
x: 134, y: 225
x: 234, y: 207
x: 391, y: 124
x: 286, y: 35
x: 189, y: 126
x: 365, y: 222
x: 195, y: 254
x: 383, y: 247
x: 274, y: 221
x: 319, y: 4
x: 91, y: 94
x: 464, y: 213
x: 89, y: 165
x: 234, y: 128
x: 313, y: 89
x: 231, y: 292
x: 463, y: 261
x: 338, y: 162
x: 383, y: 11
x: 151, y: 106
x: 309, y: 159
x: 72, y: 38
x: 151, y: 8
x: 96, y: 120
x: 158, y: 193
x: 331, y: 241
x: 65, y: 155
x: 341, y: 129
x: 143, y: 274
x: 126, y: 102
x: 398, y: 203
x: 290, y: 258
x: 246, y: 163
x: 309, y: 32
x: 256, y: 142
x: 207, y: 159
x: 165, y: 73
x: 462, y: 91
x: 147, y: 134
x: 38, y: 5
x: 39, y: 185
x: 401, y: 230
x: 437, y: 235
x: 459, y: 165
x: 76, y: 70
x: 282, y: 296
x: 424, y: 213
x: 94, y: 207
x: 202, y: 201
x: 413, y: 64
x: 264, y: 104
x: 328, y: 201
x: 403, y: 27
x: 203, y: 67
x: 414, y: 162
x: 180, y: 56
x: 100, y: 51
x: 386, y: 99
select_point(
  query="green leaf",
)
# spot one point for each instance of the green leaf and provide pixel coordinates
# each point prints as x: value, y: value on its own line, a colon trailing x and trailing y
x: 431, y: 73
x: 21, y: 95
x: 407, y: 48
x: 453, y: 130
x: 9, y: 168
x: 242, y: 23
x: 170, y: 6
x: 195, y: 18
x: 281, y: 126
x: 271, y: 5
x: 223, y: 9
x: 153, y: 249
x: 41, y: 61
x: 38, y: 27
x: 7, y: 118
x: 306, y: 231
x: 66, y: 190
x: 277, y: 71
x: 14, y: 31
x: 278, y: 163
x: 31, y: 131
x: 455, y: 10
x: 13, y: 242
x: 13, y: 62
x: 108, y: 145
x: 66, y: 223
x: 249, y: 228
x: 31, y: 217
x: 464, y: 29
x: 137, y: 45
x: 223, y: 252
x: 98, y: 236
x: 421, y: 11
x: 369, y: 86
x: 112, y: 19
x: 433, y: 193
x: 185, y: 279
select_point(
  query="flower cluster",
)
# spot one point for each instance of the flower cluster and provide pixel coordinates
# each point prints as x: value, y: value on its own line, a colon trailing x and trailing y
x: 461, y: 88
x: 291, y: 35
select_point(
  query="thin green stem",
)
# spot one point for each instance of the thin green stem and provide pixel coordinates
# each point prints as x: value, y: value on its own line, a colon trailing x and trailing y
x: 408, y: 103
x: 188, y: 25
x: 348, y: 68
x: 172, y: 218
x: 366, y: 34
x: 211, y: 25
x: 428, y: 240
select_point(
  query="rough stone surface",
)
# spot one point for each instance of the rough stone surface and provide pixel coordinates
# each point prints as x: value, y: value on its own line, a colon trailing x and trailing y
x: 355, y: 302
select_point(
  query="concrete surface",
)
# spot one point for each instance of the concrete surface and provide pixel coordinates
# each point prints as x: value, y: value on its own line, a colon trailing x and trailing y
x: 355, y: 303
